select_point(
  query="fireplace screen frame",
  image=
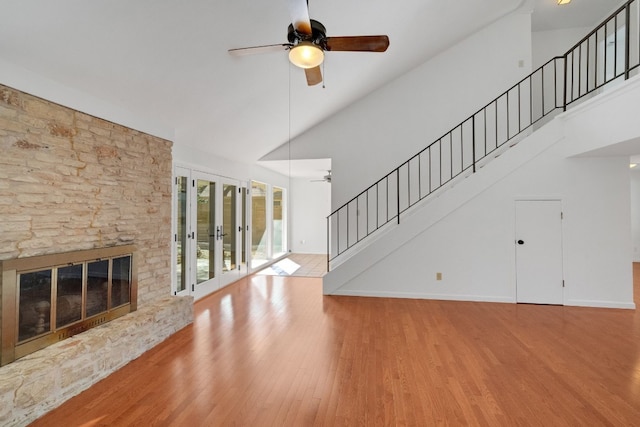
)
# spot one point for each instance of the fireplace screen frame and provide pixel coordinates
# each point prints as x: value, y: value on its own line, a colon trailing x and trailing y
x: 10, y: 271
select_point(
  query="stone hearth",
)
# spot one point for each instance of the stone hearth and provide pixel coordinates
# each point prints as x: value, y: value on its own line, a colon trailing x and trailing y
x: 41, y: 381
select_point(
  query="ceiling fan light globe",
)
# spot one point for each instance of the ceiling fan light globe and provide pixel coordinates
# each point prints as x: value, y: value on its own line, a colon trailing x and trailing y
x: 306, y: 55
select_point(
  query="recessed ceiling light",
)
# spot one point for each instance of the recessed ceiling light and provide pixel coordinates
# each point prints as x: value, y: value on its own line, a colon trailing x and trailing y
x: 564, y: 1
x: 633, y: 165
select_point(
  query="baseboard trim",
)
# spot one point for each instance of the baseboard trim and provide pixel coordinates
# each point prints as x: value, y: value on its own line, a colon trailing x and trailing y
x: 477, y: 298
x: 601, y: 304
x: 417, y: 295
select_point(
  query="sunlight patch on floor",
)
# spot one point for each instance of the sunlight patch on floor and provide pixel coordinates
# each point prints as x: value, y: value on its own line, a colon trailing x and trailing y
x: 285, y: 267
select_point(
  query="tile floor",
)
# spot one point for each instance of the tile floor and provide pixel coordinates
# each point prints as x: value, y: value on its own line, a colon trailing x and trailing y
x: 298, y: 265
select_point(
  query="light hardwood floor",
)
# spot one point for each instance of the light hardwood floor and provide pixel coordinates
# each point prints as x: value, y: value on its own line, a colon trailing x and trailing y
x: 272, y: 351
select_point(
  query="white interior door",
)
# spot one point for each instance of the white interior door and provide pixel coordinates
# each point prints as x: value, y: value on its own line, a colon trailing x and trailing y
x: 539, y: 277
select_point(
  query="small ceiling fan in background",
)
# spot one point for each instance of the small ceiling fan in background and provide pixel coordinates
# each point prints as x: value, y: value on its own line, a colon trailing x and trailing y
x: 326, y: 178
x: 308, y: 42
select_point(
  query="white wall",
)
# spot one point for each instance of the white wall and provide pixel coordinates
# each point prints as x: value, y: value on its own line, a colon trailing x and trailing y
x: 635, y: 212
x: 467, y: 233
x: 43, y: 87
x: 184, y: 155
x: 547, y: 44
x: 373, y: 136
x: 474, y: 246
x: 38, y: 85
x: 310, y: 206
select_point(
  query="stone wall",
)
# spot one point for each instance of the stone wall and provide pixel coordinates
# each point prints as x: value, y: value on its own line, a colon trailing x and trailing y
x: 70, y: 181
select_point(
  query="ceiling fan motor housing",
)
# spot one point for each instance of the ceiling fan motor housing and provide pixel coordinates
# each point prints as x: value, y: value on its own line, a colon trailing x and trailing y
x: 318, y: 35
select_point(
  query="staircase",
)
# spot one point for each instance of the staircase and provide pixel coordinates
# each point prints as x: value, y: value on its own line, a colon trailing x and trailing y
x: 608, y: 54
x: 441, y: 225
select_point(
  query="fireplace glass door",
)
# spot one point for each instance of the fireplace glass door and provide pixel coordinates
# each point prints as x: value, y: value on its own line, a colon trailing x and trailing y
x: 34, y: 304
x: 69, y: 295
x: 51, y: 297
x: 121, y: 281
x: 97, y: 287
x: 60, y: 296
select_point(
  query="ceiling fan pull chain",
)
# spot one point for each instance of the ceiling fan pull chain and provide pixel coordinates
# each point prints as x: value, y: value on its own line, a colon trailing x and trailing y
x: 324, y: 75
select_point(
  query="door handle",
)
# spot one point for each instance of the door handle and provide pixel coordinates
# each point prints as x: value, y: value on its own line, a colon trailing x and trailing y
x: 219, y: 233
x: 520, y: 242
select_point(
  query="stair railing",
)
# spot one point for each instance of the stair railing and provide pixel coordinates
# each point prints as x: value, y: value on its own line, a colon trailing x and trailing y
x: 611, y: 52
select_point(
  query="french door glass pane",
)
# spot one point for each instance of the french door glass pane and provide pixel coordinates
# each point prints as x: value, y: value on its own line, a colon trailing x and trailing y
x: 258, y: 223
x: 278, y: 223
x: 205, y: 243
x: 229, y: 227
x: 181, y: 245
x: 243, y: 235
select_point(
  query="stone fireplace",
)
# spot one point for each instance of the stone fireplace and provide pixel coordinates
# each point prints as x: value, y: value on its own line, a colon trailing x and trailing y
x: 71, y: 184
x: 48, y: 298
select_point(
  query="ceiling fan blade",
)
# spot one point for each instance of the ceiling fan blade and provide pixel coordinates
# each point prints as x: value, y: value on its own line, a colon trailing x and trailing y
x: 242, y: 51
x: 358, y: 43
x: 299, y: 11
x: 314, y: 75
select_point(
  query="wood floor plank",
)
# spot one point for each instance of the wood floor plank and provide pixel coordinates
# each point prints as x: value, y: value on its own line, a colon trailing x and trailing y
x: 271, y: 350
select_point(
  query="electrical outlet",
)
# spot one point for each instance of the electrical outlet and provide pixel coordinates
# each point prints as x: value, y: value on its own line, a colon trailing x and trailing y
x: 438, y: 276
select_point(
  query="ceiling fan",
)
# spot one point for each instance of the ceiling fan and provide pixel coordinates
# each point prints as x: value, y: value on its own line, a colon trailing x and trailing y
x: 308, y: 42
x: 326, y: 178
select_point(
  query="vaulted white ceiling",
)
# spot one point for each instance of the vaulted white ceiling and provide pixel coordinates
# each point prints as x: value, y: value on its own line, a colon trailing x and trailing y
x: 167, y: 60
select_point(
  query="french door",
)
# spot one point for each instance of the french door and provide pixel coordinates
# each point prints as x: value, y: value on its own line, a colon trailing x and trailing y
x: 210, y: 220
